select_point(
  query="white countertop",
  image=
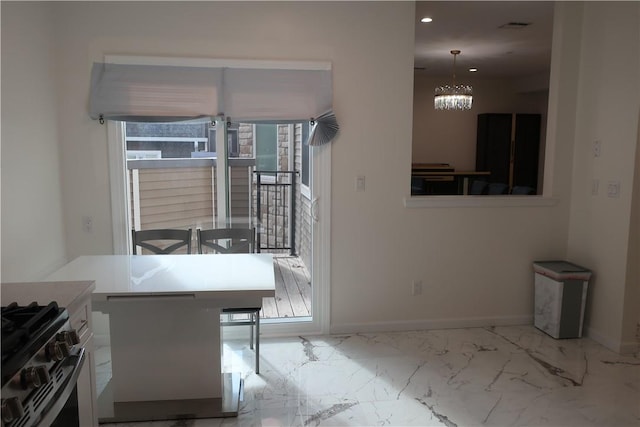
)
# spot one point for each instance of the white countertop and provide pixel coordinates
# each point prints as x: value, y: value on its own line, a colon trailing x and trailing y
x: 66, y: 293
x: 200, y: 276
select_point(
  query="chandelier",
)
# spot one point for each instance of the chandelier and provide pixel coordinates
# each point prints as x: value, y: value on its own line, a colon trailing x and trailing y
x: 453, y: 96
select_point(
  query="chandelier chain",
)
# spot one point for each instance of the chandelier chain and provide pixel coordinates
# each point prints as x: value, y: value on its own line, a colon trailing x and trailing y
x: 455, y: 53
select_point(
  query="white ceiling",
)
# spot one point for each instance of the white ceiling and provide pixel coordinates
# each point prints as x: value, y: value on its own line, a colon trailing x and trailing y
x: 473, y: 28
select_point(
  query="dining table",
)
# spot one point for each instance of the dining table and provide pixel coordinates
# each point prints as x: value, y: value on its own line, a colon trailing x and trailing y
x: 164, y: 328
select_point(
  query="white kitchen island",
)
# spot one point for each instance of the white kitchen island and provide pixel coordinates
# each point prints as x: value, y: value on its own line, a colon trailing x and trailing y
x: 164, y: 319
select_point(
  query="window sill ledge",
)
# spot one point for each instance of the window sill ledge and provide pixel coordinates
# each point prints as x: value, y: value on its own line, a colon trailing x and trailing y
x: 479, y: 201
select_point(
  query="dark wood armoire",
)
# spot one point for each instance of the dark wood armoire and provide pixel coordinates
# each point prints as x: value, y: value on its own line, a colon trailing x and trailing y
x: 508, y: 146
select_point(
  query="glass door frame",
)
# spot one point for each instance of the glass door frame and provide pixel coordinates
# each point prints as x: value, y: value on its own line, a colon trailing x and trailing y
x: 222, y: 173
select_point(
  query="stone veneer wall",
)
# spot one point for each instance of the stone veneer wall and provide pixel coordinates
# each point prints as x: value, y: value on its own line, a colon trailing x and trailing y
x: 245, y: 140
x: 302, y: 209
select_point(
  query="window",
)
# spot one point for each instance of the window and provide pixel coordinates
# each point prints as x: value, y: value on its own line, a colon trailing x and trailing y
x: 305, y: 160
x: 305, y: 154
x: 233, y: 146
x: 266, y: 137
x: 165, y: 140
x: 174, y: 192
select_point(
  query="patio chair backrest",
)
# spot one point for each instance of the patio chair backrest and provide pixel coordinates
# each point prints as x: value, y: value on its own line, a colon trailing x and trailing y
x: 161, y: 241
x: 226, y: 240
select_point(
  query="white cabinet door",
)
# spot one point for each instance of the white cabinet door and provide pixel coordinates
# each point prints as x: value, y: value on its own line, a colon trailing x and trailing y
x: 81, y: 320
x: 87, y: 388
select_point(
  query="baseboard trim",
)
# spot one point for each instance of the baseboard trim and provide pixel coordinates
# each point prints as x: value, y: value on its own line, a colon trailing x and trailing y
x: 620, y: 347
x: 393, y: 326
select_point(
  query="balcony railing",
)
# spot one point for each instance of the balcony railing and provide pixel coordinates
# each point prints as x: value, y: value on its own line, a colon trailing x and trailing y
x: 274, y: 208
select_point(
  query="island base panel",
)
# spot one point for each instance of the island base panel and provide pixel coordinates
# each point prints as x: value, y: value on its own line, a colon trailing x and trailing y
x: 163, y: 351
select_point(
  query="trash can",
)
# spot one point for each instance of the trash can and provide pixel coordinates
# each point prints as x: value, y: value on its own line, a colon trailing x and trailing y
x: 560, y: 297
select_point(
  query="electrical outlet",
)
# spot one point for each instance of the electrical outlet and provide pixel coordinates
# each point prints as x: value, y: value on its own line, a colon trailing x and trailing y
x: 597, y: 148
x: 416, y: 287
x: 360, y: 183
x: 87, y: 224
x: 595, y: 187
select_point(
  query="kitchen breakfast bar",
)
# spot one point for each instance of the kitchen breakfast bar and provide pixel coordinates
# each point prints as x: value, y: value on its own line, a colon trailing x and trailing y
x: 164, y: 321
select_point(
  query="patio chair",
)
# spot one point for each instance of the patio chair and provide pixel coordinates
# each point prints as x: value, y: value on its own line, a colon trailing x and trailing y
x: 234, y: 240
x: 161, y: 241
x: 226, y: 240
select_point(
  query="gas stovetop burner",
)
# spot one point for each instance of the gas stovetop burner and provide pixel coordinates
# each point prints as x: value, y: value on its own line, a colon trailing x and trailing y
x: 41, y: 361
x: 25, y: 329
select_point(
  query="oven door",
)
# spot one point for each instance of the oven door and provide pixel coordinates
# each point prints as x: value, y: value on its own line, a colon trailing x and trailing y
x: 63, y: 408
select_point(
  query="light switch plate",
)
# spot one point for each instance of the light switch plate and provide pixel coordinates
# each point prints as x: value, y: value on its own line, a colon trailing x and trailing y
x: 613, y: 189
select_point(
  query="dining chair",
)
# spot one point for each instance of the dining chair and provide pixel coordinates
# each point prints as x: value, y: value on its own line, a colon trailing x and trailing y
x: 226, y: 241
x: 520, y: 189
x: 498, y: 188
x: 161, y: 241
x: 478, y: 187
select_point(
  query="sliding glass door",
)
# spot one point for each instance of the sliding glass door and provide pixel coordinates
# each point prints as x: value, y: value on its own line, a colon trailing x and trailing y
x: 219, y: 175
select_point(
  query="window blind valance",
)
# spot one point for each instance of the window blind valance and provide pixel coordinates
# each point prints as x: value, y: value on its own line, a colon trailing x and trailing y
x: 272, y: 95
x: 156, y: 93
x: 153, y: 93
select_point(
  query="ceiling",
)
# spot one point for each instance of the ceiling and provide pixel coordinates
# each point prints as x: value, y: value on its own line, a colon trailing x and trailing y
x: 473, y: 27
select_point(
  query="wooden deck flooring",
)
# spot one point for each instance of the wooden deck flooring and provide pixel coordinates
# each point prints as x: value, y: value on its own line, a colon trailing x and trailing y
x: 293, y: 290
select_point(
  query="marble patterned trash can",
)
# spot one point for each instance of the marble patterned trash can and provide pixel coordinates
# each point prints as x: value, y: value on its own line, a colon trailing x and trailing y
x: 560, y: 297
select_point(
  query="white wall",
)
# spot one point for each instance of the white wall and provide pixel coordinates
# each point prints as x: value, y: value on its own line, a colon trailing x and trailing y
x: 475, y: 262
x: 607, y: 110
x: 631, y: 312
x: 450, y: 136
x: 32, y: 223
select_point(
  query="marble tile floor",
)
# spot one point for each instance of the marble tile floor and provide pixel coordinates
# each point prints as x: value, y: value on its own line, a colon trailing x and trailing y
x: 495, y: 376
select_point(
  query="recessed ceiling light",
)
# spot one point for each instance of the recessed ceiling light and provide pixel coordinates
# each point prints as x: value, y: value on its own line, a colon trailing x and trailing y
x: 426, y: 19
x: 473, y: 70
